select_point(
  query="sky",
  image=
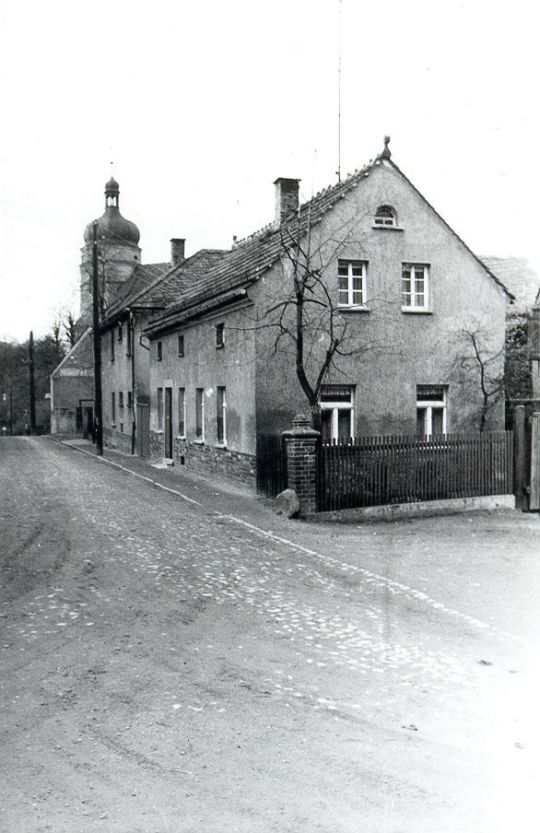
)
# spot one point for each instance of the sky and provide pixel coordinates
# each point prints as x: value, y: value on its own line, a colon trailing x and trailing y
x: 197, y: 107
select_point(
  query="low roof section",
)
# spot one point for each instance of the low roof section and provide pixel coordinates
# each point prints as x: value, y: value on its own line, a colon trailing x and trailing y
x: 156, y: 285
x: 519, y: 277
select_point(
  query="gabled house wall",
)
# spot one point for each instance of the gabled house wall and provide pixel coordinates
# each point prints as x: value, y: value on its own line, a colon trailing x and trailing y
x: 403, y: 348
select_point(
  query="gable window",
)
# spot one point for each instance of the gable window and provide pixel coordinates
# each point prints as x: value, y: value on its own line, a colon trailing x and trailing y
x: 430, y: 410
x: 160, y: 409
x: 180, y: 345
x: 182, y: 412
x: 385, y: 216
x: 337, y: 412
x: 221, y: 416
x: 159, y: 351
x: 414, y: 286
x: 199, y: 414
x: 352, y: 283
x: 113, y: 407
x: 220, y: 336
x: 112, y: 345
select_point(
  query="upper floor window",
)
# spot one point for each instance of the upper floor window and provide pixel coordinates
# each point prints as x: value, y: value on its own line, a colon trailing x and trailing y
x: 113, y: 407
x: 130, y: 399
x: 159, y: 351
x: 385, y: 216
x: 121, y: 399
x: 414, y: 286
x: 220, y: 335
x: 351, y: 283
x: 180, y: 345
x: 112, y: 345
x: 120, y: 332
x: 430, y: 410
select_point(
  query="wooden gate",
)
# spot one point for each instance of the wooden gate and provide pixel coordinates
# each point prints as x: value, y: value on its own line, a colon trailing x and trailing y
x: 534, y: 467
x: 271, y: 465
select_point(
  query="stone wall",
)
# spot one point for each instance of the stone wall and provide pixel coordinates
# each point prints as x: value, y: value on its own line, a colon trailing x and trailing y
x: 112, y: 438
x: 214, y: 460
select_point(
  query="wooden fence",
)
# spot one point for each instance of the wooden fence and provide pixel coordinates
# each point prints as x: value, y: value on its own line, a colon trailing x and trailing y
x: 373, y: 471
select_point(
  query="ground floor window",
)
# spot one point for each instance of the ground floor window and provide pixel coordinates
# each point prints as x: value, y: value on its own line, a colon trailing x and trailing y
x: 182, y: 412
x: 199, y: 414
x: 160, y: 409
x: 221, y: 416
x: 431, y: 416
x: 337, y: 412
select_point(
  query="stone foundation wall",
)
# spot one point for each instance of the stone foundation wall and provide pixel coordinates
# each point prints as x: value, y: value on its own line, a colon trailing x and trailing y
x: 114, y: 439
x: 157, y: 445
x: 210, y: 460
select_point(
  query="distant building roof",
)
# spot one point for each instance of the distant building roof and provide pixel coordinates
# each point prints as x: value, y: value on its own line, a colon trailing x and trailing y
x: 518, y: 277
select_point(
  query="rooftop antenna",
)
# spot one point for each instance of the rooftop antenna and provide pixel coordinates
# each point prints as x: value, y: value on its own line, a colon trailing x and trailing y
x: 339, y: 92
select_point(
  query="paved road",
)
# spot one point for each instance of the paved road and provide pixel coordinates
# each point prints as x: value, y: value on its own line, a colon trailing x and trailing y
x: 170, y: 665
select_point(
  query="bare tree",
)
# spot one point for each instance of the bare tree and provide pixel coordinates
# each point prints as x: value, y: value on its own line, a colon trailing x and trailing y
x: 480, y: 367
x: 304, y: 311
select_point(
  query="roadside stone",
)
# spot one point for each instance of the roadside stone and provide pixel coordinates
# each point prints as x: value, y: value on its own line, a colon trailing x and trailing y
x: 287, y: 503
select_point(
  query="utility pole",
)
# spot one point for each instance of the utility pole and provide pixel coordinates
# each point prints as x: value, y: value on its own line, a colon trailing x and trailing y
x: 98, y: 404
x: 32, y: 374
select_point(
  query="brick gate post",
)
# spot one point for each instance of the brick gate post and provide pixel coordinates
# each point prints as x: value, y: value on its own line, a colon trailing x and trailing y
x: 301, y: 454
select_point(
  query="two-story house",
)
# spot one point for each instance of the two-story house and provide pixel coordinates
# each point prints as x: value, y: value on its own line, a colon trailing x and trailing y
x: 366, y: 271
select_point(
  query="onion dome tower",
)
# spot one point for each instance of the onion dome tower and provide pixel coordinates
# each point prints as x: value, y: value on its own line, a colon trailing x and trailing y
x: 118, y: 250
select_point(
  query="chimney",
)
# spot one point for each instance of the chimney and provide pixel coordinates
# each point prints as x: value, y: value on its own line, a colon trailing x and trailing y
x: 286, y: 198
x: 178, y: 245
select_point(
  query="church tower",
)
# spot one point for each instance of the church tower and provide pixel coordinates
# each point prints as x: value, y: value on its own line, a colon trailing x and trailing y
x: 118, y: 252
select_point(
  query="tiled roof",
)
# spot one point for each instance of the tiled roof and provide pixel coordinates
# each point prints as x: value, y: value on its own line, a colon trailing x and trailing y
x: 518, y: 277
x: 188, y: 273
x: 258, y: 252
x: 143, y: 276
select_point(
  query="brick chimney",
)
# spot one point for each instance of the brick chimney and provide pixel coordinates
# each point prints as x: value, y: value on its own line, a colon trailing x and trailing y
x: 178, y: 245
x: 286, y: 198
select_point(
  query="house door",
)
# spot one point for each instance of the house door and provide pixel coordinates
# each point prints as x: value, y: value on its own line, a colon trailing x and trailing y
x: 168, y: 424
x: 89, y: 422
x: 143, y: 429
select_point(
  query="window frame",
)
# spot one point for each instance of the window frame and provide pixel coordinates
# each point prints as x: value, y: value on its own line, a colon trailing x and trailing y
x: 428, y: 406
x: 338, y: 405
x: 384, y: 220
x: 181, y: 420
x: 181, y: 346
x: 413, y: 292
x: 159, y: 351
x: 221, y: 415
x: 220, y: 335
x: 199, y: 415
x: 160, y: 409
x: 350, y: 264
